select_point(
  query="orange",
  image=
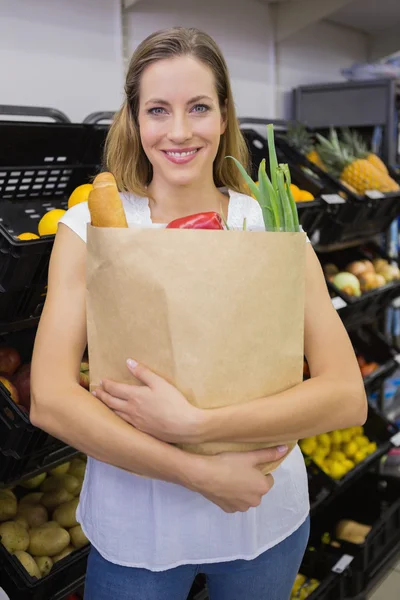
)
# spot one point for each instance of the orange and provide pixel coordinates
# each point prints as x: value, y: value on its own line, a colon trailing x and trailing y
x: 304, y: 196
x: 28, y: 236
x: 80, y: 194
x: 295, y: 191
x: 48, y: 224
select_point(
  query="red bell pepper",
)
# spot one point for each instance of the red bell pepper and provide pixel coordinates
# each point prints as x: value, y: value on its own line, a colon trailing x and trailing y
x: 205, y: 220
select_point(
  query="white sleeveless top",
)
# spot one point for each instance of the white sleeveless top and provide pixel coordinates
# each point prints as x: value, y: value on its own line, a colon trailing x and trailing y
x: 152, y: 524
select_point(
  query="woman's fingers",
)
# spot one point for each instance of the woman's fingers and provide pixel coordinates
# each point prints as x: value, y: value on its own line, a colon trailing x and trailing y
x: 119, y: 390
x: 110, y: 401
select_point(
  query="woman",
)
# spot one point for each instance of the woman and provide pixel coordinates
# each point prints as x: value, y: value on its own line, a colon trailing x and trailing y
x: 216, y: 515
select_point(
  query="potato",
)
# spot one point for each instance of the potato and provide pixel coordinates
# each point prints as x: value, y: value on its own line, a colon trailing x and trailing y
x: 50, y: 525
x: 48, y: 541
x: 60, y: 469
x: 14, y: 536
x: 33, y: 482
x: 44, y: 563
x: 28, y: 563
x: 22, y: 521
x: 63, y: 554
x: 9, y: 492
x: 31, y: 498
x: 59, y: 482
x: 8, y: 505
x: 53, y: 499
x: 77, y: 468
x: 35, y: 514
x: 65, y: 514
x: 78, y: 538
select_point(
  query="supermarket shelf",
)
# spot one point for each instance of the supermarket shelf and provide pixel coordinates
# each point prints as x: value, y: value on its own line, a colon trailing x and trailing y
x: 379, y: 572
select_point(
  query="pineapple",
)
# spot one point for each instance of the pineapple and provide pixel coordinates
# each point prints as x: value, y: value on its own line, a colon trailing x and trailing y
x: 298, y: 137
x: 359, y: 148
x: 359, y: 173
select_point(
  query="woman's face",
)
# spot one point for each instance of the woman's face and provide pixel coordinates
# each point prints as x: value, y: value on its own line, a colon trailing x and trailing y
x: 180, y: 120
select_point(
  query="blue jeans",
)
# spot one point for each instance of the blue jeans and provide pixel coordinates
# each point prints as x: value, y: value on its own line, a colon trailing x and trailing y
x: 270, y: 576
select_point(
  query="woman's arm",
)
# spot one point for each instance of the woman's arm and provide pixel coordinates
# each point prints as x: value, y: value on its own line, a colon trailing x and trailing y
x: 334, y: 397
x: 60, y: 406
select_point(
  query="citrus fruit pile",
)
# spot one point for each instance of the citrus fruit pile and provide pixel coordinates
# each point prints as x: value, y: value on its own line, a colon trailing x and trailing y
x: 338, y: 452
x: 303, y: 587
x: 48, y: 224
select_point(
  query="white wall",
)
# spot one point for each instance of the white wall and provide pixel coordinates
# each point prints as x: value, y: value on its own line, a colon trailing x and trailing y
x: 316, y: 55
x: 61, y: 53
x: 242, y: 29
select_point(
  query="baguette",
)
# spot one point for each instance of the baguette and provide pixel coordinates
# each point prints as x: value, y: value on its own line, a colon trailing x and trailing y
x: 105, y: 205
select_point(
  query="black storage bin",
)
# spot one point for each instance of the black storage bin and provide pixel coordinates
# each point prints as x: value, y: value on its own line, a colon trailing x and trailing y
x: 64, y: 578
x: 374, y: 501
x: 370, y: 305
x: 373, y: 346
x: 378, y: 429
x: 319, y: 564
x: 359, y: 217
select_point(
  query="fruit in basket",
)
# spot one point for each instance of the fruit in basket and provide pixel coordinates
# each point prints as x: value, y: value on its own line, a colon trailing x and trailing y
x: 360, y: 173
x: 28, y: 236
x: 8, y: 506
x: 368, y: 282
x: 77, y: 468
x: 45, y: 564
x: 46, y: 541
x: 390, y: 273
x: 57, y: 482
x: 22, y: 382
x: 303, y: 587
x: 10, y: 387
x: 78, y: 538
x: 65, y: 514
x: 304, y: 196
x: 35, y: 514
x: 357, y: 268
x: 84, y: 376
x: 33, y: 482
x: 14, y: 536
x: 80, y: 194
x: 53, y: 499
x: 354, y: 141
x: 28, y: 563
x: 63, y: 554
x: 298, y: 137
x: 347, y: 283
x: 60, y: 469
x: 10, y: 360
x: 48, y: 224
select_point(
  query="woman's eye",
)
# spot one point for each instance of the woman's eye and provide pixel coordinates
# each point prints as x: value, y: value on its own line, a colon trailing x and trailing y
x: 158, y: 110
x: 201, y: 108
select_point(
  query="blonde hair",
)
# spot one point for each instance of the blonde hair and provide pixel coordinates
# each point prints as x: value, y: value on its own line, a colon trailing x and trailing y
x: 124, y: 155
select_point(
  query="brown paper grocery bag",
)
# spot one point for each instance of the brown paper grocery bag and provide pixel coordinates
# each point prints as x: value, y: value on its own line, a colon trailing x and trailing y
x: 220, y: 314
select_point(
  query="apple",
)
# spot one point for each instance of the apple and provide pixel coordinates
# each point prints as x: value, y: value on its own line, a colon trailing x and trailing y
x: 84, y: 379
x: 10, y: 360
x: 10, y: 388
x: 22, y: 381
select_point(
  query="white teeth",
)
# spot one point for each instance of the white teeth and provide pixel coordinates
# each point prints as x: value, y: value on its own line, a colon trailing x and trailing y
x: 181, y: 154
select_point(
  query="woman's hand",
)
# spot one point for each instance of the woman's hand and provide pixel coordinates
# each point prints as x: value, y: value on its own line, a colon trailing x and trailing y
x: 156, y: 408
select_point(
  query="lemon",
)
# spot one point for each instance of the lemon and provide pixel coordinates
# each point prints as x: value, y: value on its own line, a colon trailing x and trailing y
x: 358, y: 430
x: 337, y: 470
x: 350, y: 449
x: 308, y: 445
x: 48, y: 224
x: 304, y: 196
x: 336, y: 437
x: 318, y: 460
x: 321, y: 452
x: 359, y: 456
x: 337, y: 455
x: 348, y: 464
x: 346, y: 435
x: 361, y: 440
x: 371, y: 448
x: 80, y: 194
x: 28, y: 236
x: 324, y: 440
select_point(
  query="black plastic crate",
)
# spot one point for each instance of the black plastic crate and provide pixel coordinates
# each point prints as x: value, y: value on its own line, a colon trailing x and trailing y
x: 64, y: 578
x: 375, y: 501
x: 321, y: 565
x: 52, y: 453
x: 357, y: 217
x: 373, y: 347
x: 370, y: 305
x: 21, y: 305
x: 379, y: 430
x: 40, y: 165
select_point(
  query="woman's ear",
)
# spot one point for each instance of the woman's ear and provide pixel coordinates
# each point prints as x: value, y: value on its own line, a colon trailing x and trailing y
x: 224, y: 116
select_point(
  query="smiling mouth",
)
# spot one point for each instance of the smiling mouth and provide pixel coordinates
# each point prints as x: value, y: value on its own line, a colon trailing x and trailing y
x: 180, y: 154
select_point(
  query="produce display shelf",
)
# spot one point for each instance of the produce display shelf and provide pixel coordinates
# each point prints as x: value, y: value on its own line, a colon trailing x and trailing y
x: 378, y: 429
x: 381, y: 512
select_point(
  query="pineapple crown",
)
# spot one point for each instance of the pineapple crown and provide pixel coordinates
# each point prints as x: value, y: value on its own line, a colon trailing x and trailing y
x: 355, y: 143
x: 333, y: 154
x: 298, y: 137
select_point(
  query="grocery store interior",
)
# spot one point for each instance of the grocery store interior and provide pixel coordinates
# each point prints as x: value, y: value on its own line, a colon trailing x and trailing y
x: 326, y: 74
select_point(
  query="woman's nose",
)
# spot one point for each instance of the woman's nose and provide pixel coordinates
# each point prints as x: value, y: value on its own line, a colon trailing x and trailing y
x: 180, y: 130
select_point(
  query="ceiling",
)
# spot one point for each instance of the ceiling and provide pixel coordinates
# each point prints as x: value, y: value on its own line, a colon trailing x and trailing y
x: 371, y: 16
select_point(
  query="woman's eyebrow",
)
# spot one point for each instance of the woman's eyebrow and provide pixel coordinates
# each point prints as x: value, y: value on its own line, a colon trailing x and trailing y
x: 165, y: 103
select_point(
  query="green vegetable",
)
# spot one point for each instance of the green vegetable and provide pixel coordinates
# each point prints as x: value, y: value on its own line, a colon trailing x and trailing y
x: 273, y: 195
